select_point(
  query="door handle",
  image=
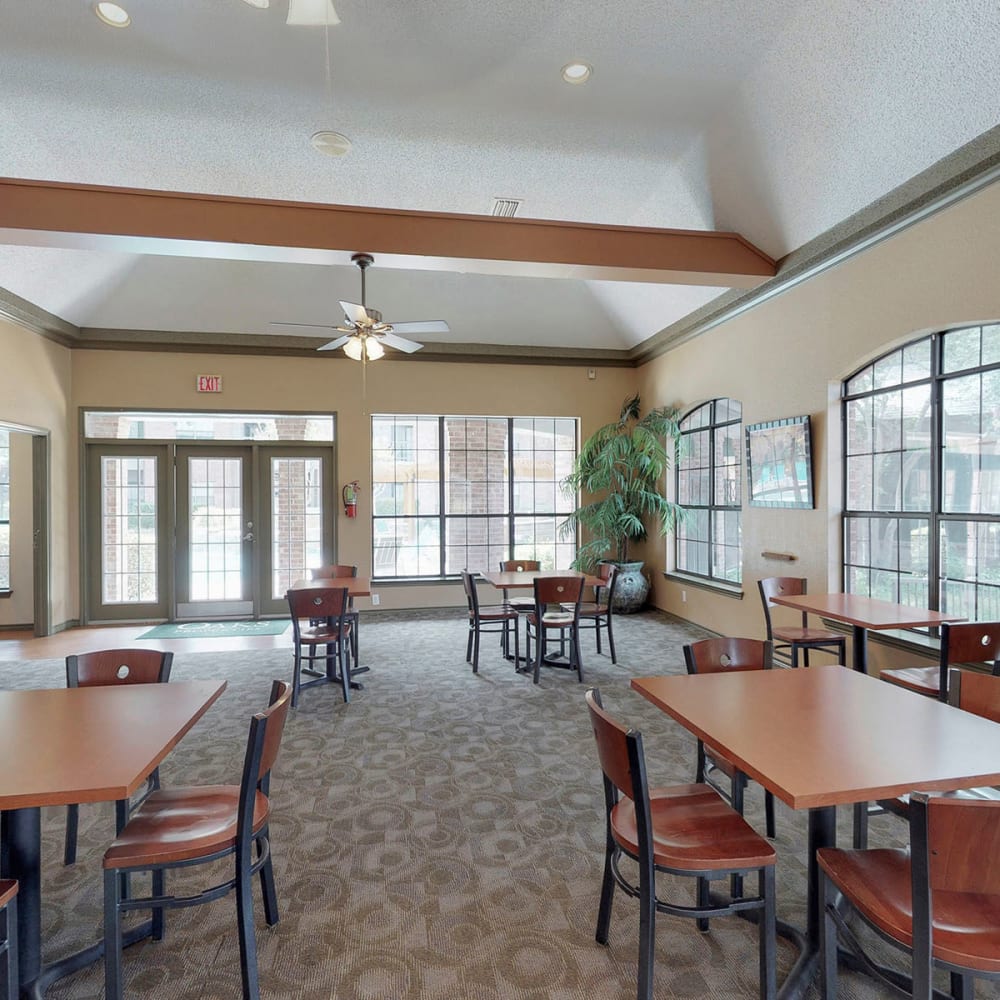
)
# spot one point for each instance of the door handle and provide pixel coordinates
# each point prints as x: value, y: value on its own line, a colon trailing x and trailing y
x: 248, y: 537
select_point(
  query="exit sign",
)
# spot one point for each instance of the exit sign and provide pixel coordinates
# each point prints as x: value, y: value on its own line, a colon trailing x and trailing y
x: 209, y: 383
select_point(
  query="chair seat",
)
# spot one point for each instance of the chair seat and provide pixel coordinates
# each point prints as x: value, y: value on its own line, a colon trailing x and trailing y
x: 496, y: 612
x: 923, y: 680
x: 524, y: 603
x: 554, y: 619
x: 800, y: 635
x: 591, y: 610
x: 966, y: 925
x: 8, y: 890
x: 179, y: 824
x: 693, y: 830
x: 324, y: 634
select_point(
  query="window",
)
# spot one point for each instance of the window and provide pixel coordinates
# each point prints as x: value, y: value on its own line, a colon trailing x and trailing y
x: 4, y: 510
x: 709, y: 475
x: 922, y: 474
x: 451, y: 493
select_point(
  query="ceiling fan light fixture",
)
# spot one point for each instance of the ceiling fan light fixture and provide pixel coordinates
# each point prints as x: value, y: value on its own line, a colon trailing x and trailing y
x: 112, y: 15
x: 354, y: 348
x: 311, y: 13
x: 577, y: 72
x: 374, y: 349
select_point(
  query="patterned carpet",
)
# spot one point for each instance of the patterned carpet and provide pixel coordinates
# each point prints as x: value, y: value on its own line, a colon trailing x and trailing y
x: 438, y: 838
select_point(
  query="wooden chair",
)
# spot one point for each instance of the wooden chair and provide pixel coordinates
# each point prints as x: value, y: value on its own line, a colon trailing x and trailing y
x: 717, y: 656
x: 788, y: 640
x: 341, y: 571
x: 523, y: 605
x: 8, y: 943
x: 968, y: 642
x: 557, y: 609
x: 597, y: 614
x: 682, y: 830
x: 105, y: 668
x: 182, y: 827
x: 481, y: 619
x: 329, y: 607
x: 940, y: 900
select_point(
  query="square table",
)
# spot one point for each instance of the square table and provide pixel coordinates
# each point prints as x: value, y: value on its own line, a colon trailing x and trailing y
x: 524, y: 579
x: 862, y: 614
x: 67, y: 745
x: 829, y: 736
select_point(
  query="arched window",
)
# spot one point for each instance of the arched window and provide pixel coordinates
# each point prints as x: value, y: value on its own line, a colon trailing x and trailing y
x: 922, y: 474
x: 709, y: 475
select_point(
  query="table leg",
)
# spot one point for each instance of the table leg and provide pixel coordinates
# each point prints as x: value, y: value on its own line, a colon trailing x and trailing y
x: 22, y: 847
x: 860, y: 649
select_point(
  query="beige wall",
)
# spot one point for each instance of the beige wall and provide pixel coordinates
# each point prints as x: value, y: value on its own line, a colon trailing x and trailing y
x: 325, y: 383
x: 788, y: 356
x: 780, y: 359
x: 35, y: 379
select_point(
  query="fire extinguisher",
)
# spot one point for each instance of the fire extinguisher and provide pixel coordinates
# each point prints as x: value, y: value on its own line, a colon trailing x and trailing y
x: 350, y: 497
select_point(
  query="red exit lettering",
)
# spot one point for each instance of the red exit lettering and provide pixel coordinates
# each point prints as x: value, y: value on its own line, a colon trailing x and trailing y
x: 209, y: 383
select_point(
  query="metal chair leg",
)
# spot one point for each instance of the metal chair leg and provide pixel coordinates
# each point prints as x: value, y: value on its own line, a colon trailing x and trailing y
x: 267, y: 889
x: 607, y: 896
x: 11, y: 963
x: 248, y: 939
x: 72, y: 827
x: 112, y: 937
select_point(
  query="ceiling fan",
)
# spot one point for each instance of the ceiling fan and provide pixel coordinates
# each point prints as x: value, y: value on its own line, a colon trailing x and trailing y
x: 366, y: 336
x: 310, y: 13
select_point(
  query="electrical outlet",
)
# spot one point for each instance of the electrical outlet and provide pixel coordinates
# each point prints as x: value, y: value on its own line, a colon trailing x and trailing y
x: 684, y: 597
x: 376, y: 598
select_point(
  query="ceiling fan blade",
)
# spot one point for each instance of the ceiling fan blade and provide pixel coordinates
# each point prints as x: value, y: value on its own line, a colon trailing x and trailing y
x: 334, y: 344
x: 421, y: 326
x: 399, y: 343
x: 356, y: 314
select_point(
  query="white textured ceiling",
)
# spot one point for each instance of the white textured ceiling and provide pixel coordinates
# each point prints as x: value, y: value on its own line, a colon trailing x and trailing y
x: 776, y: 119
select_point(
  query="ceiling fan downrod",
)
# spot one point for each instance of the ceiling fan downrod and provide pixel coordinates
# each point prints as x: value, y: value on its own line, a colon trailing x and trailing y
x: 364, y: 261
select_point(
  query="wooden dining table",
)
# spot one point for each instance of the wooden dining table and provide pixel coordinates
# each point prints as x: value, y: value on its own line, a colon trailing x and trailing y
x: 70, y: 745
x: 864, y: 614
x: 825, y: 737
x: 524, y: 579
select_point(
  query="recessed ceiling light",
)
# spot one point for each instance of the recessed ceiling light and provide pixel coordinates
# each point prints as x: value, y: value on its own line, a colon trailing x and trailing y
x: 576, y: 72
x: 331, y: 143
x: 112, y: 15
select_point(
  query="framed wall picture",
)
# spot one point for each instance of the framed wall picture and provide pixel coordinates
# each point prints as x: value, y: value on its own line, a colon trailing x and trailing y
x: 779, y: 463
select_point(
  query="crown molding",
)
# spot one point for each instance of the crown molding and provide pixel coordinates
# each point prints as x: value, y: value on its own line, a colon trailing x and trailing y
x: 37, y: 320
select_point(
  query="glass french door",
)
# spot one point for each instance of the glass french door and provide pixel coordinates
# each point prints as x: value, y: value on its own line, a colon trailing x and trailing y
x: 215, y: 533
x: 204, y: 531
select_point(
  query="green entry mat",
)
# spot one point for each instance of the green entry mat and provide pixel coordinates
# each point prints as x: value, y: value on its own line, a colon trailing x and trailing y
x: 214, y: 630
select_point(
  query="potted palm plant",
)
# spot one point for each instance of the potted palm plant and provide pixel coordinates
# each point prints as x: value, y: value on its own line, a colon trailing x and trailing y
x: 621, y: 469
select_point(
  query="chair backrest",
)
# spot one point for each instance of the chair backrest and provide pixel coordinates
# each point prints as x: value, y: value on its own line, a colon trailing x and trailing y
x: 558, y: 590
x: 321, y: 602
x: 520, y: 566
x: 609, y: 573
x: 779, y: 586
x: 266, y: 728
x: 336, y: 572
x: 975, y: 693
x: 107, y: 667
x: 971, y: 642
x: 715, y: 656
x: 471, y: 591
x: 615, y: 748
x: 956, y: 841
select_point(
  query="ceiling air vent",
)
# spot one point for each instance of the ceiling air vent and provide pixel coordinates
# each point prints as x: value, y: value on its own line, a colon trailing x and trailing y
x: 506, y: 208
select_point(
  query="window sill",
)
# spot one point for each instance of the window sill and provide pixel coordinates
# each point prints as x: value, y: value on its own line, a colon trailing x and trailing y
x: 6, y: 593
x: 897, y: 638
x: 414, y: 581
x: 715, y: 586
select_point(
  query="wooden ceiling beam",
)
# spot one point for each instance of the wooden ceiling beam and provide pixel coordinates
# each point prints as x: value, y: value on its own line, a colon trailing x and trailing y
x: 75, y: 216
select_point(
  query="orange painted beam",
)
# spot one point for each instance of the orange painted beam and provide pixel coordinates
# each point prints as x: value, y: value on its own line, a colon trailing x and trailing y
x: 43, y: 213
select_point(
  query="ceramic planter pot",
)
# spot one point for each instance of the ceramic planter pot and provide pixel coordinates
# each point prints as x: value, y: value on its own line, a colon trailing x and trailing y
x: 631, y: 590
